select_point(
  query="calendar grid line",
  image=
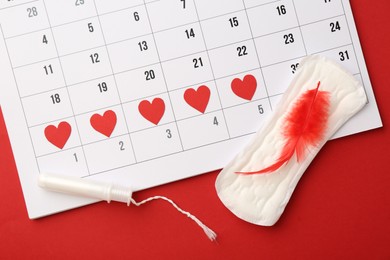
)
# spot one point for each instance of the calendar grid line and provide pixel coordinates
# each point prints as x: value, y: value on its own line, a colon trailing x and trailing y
x: 16, y: 5
x: 185, y: 86
x: 255, y: 6
x: 335, y: 48
x: 137, y: 100
x: 300, y: 28
x: 171, y: 28
x: 166, y: 155
x: 119, y: 10
x: 175, y: 27
x: 18, y: 91
x: 353, y: 46
x: 163, y: 75
x: 157, y: 157
x: 212, y: 70
x: 115, y: 81
x: 85, y: 144
x: 167, y: 60
x: 257, y: 55
x: 66, y: 87
x: 151, y: 127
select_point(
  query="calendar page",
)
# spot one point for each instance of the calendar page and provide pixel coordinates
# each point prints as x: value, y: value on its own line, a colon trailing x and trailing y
x: 144, y: 93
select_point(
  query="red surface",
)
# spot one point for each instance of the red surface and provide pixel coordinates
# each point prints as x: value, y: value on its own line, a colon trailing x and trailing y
x: 340, y: 209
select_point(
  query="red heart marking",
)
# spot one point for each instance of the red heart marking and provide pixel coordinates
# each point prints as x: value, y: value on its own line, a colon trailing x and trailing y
x: 154, y: 111
x: 58, y: 136
x: 198, y: 99
x: 104, y: 124
x: 245, y: 88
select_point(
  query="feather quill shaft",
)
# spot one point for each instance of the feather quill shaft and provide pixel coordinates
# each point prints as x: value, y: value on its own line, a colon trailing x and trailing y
x: 304, y: 127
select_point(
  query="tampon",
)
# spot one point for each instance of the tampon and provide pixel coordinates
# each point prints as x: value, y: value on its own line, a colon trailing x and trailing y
x: 85, y: 188
x: 108, y: 192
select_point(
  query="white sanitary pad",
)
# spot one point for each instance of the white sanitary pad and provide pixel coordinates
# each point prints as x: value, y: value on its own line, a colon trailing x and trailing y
x: 261, y: 198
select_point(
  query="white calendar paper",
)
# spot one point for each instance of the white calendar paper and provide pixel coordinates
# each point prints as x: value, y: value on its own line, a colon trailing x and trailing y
x: 144, y: 93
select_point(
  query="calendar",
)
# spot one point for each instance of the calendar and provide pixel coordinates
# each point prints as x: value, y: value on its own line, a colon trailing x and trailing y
x: 144, y: 93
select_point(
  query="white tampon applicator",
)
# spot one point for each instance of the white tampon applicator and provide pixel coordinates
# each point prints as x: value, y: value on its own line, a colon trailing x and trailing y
x: 105, y: 191
x: 85, y: 188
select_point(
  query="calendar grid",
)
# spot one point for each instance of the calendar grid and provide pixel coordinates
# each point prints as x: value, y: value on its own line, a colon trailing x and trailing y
x: 160, y: 63
x: 66, y: 86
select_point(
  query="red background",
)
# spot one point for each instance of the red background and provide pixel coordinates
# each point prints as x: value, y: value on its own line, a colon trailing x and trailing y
x: 340, y: 210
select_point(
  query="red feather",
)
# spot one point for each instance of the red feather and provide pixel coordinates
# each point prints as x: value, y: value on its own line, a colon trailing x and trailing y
x: 304, y: 127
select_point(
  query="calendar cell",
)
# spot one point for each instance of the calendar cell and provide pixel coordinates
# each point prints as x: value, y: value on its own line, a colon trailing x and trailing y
x: 31, y: 48
x: 208, y: 9
x: 195, y: 100
x: 132, y: 54
x: 345, y: 56
x: 101, y: 124
x: 108, y: 155
x: 52, y: 106
x: 247, y: 118
x: 155, y: 111
x: 125, y: 24
x: 280, y: 47
x: 319, y: 10
x: 69, y: 163
x: 104, y: 6
x: 64, y: 136
x: 326, y: 35
x: 86, y: 34
x: 93, y: 95
x: 274, y: 17
x: 8, y: 4
x: 234, y: 58
x: 278, y: 77
x: 241, y: 88
x: 176, y: 13
x: 86, y: 65
x: 140, y: 83
x: 162, y: 141
x: 39, y: 77
x: 194, y: 69
x: 74, y: 10
x: 226, y: 29
x: 24, y: 18
x: 210, y: 128
x: 180, y: 41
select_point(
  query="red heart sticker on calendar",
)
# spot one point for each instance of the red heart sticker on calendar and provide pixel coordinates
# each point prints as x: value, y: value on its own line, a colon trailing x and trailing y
x: 198, y: 99
x: 58, y: 135
x: 245, y: 88
x: 152, y: 111
x: 104, y: 124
